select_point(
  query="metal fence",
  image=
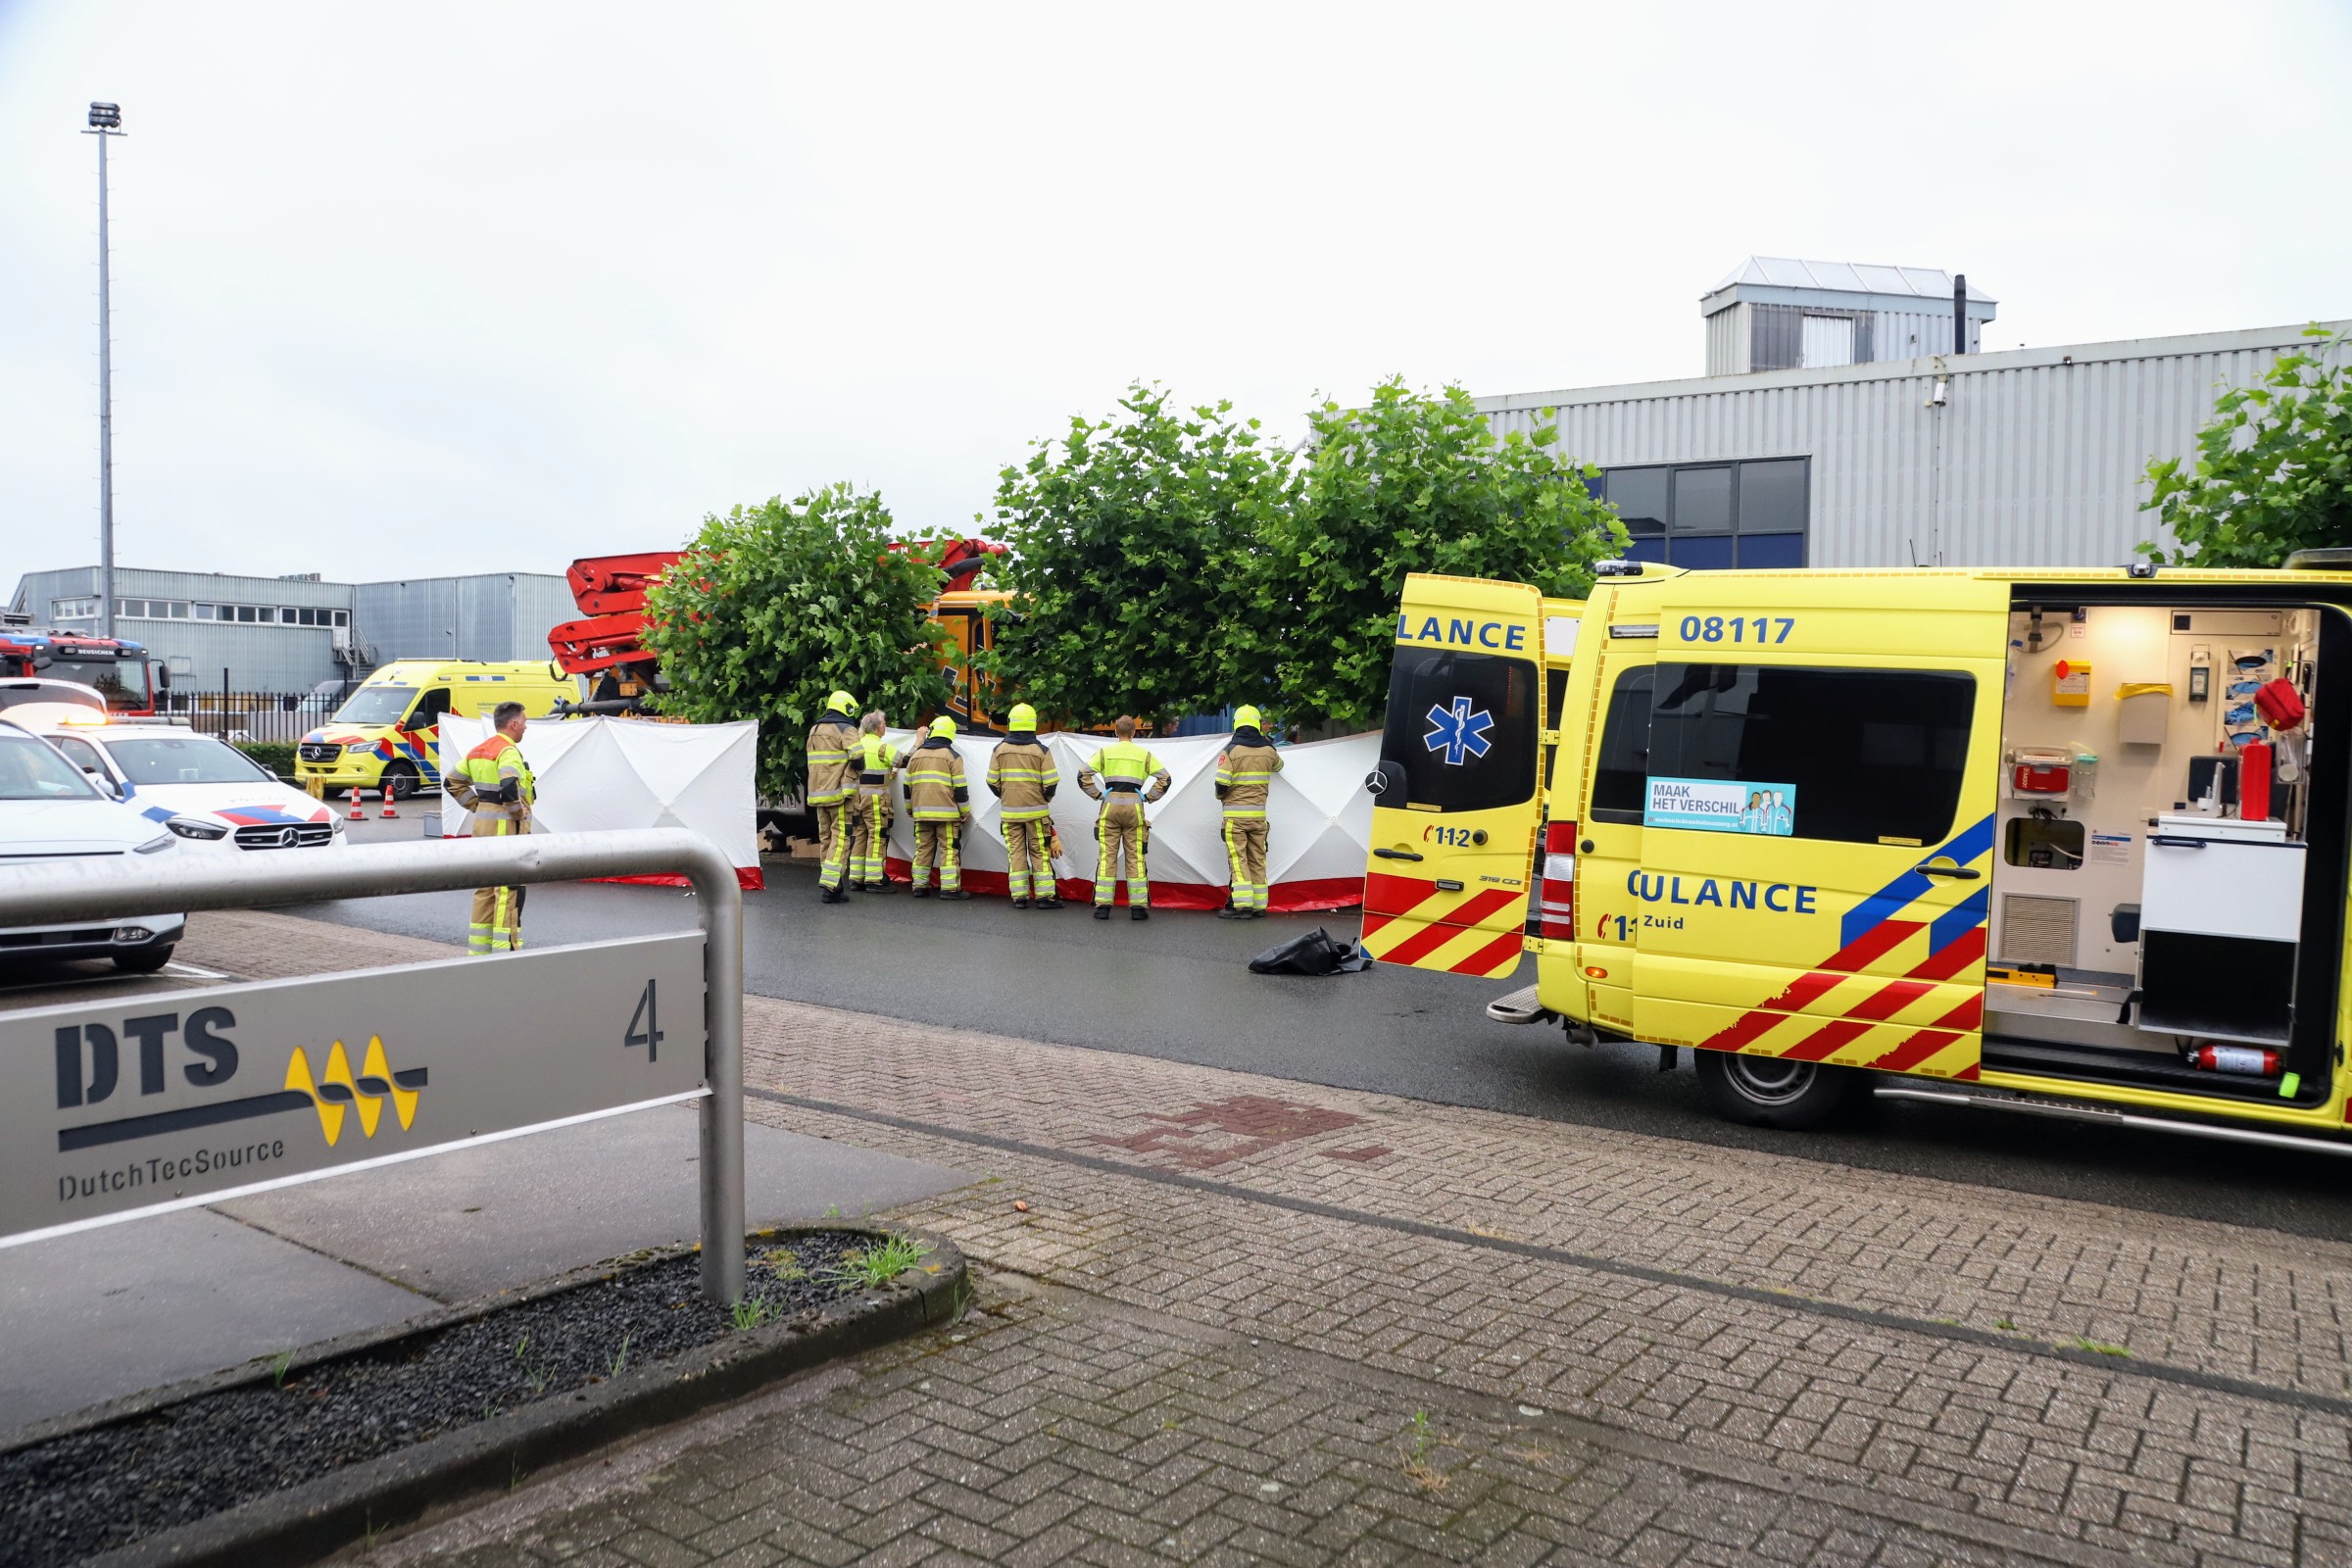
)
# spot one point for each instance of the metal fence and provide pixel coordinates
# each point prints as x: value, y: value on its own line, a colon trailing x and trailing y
x: 273, y: 717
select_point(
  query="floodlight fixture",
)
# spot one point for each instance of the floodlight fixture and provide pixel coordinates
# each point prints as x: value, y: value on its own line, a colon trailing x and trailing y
x: 107, y: 117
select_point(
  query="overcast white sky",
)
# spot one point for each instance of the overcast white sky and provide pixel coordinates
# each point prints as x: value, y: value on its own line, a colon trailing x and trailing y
x: 436, y: 287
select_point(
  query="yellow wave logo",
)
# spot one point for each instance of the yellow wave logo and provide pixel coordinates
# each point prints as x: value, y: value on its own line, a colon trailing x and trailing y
x: 336, y: 1093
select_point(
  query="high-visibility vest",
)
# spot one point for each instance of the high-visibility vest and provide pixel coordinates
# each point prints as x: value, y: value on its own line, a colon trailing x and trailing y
x: 1126, y: 768
x: 487, y: 763
x: 873, y: 777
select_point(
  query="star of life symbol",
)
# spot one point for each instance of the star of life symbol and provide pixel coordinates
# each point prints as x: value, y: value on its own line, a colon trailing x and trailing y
x: 1460, y: 732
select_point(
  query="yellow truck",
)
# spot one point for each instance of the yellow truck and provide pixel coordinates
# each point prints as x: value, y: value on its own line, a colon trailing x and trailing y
x: 387, y: 734
x: 2055, y: 841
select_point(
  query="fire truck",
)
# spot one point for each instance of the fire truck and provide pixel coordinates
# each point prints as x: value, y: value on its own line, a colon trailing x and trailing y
x: 607, y: 649
x: 120, y: 670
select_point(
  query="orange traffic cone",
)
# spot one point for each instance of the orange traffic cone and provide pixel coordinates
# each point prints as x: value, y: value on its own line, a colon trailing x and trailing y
x: 387, y: 811
x: 357, y: 814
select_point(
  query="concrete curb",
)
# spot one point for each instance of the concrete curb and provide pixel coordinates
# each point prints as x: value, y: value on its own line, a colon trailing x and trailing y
x: 307, y: 1522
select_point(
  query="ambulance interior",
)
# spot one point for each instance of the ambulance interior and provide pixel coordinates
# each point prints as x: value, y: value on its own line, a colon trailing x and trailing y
x: 2166, y: 906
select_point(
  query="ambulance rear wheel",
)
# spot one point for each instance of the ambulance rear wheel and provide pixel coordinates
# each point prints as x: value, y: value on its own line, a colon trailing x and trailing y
x: 1773, y: 1091
x: 399, y: 781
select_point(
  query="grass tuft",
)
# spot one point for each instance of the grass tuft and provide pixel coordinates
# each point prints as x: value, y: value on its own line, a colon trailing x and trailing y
x: 1417, y: 1468
x: 880, y: 1263
x: 756, y: 1312
x: 536, y: 1376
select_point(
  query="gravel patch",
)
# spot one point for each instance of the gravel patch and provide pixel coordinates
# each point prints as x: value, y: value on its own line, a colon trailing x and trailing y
x: 71, y: 1496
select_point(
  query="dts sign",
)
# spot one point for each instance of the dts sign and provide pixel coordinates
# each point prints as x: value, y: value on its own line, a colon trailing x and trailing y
x: 112, y: 1109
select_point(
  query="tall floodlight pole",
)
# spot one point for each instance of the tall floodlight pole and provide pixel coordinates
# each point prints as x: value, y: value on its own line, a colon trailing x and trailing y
x: 105, y: 122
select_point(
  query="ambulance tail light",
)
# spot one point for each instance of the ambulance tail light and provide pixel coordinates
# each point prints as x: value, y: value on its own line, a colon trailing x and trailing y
x: 1555, y: 913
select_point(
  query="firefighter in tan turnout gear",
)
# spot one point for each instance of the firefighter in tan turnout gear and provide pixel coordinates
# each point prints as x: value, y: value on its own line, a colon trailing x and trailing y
x: 1125, y: 778
x: 939, y: 802
x: 834, y: 759
x: 496, y: 786
x: 1021, y: 775
x: 1245, y: 770
x: 869, y: 831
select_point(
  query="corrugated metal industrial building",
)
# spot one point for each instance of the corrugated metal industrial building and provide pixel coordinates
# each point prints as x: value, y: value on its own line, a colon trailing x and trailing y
x: 2030, y: 456
x: 290, y: 634
x: 501, y: 615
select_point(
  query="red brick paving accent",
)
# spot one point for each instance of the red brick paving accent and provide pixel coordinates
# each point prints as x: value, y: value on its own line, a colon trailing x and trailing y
x: 1259, y: 1120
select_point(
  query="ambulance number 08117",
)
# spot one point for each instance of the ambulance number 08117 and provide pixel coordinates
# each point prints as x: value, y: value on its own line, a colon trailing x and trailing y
x: 1737, y: 628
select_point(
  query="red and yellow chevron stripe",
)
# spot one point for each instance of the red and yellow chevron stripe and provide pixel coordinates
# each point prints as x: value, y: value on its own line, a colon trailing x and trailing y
x: 1922, y: 1019
x: 1471, y: 931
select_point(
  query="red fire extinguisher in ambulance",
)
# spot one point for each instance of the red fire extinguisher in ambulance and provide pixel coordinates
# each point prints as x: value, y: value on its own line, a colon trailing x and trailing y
x: 2252, y: 1061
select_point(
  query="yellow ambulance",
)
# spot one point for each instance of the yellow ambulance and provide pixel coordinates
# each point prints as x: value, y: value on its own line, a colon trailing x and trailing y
x: 2057, y: 841
x: 387, y: 734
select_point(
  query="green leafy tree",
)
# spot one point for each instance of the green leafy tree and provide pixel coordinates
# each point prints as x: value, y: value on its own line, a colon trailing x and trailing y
x: 1129, y: 538
x: 773, y: 606
x: 2273, y: 473
x: 1413, y: 482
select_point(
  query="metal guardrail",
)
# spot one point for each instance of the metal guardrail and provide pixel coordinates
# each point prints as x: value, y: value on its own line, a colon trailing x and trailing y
x: 116, y: 887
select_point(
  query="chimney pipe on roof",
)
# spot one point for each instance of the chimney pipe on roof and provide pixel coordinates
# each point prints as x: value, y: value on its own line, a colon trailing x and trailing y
x: 1959, y: 312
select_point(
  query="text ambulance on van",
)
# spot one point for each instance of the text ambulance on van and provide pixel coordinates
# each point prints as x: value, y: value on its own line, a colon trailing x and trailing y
x: 2053, y: 839
x: 387, y: 733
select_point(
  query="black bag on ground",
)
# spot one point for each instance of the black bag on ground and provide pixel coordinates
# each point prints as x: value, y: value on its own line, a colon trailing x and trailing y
x: 1312, y: 953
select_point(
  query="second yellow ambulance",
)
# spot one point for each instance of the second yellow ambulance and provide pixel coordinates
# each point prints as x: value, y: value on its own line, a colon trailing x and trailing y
x: 2066, y: 841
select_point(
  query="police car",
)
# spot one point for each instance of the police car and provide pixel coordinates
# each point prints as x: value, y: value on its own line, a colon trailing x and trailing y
x: 51, y: 813
x: 212, y: 796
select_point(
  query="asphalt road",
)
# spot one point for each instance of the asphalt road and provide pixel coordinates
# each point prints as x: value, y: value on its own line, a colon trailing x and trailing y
x: 1176, y: 987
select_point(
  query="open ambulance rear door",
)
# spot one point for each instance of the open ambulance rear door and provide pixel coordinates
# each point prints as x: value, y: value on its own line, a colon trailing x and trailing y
x: 1455, y: 801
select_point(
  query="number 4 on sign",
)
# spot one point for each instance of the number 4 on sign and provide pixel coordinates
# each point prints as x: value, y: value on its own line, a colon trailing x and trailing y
x: 644, y: 1026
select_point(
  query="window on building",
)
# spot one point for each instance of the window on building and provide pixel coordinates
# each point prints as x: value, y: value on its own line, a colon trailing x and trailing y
x: 204, y: 612
x: 1868, y: 755
x: 342, y: 618
x: 1828, y: 340
x: 1702, y: 499
x: 245, y: 614
x: 1751, y: 514
x: 1640, y: 495
x: 73, y: 610
x: 180, y: 609
x: 268, y: 615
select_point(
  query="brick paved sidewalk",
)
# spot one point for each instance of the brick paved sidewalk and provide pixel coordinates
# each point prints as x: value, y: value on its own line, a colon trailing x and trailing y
x: 1761, y: 1331
x: 1052, y: 1430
